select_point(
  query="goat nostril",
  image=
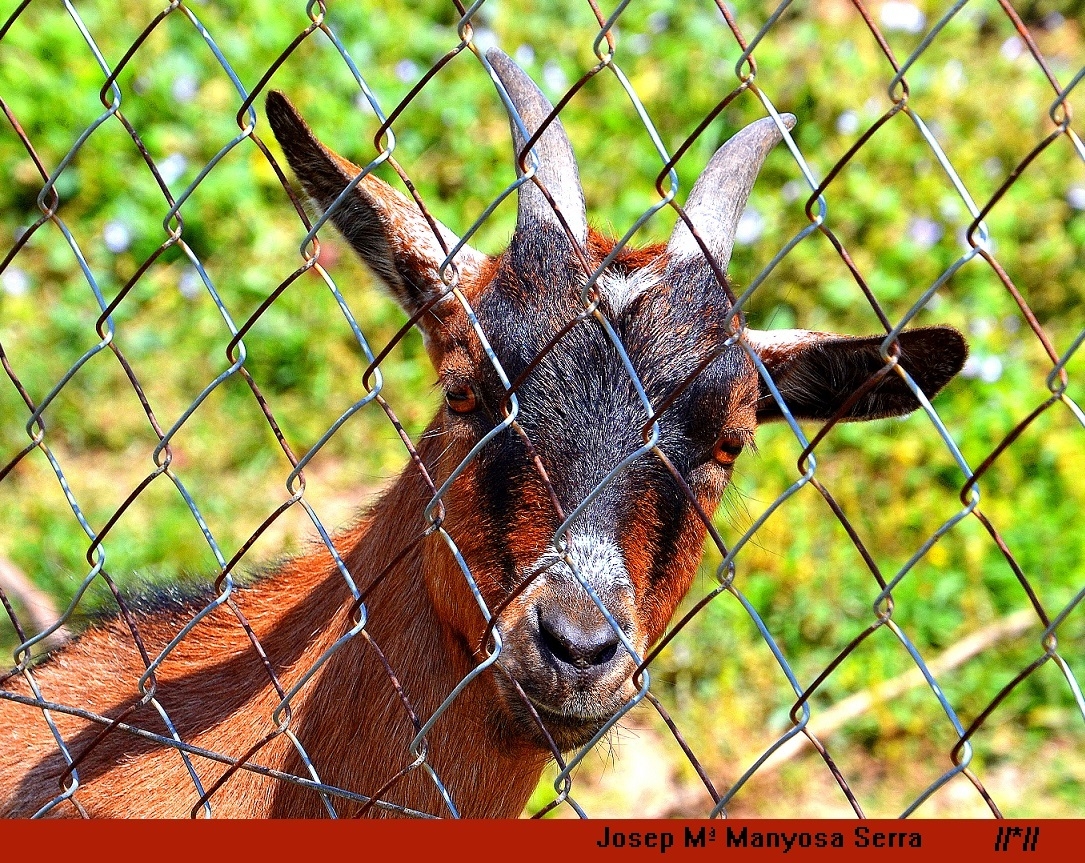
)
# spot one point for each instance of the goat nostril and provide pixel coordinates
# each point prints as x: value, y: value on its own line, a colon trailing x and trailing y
x: 606, y: 653
x: 581, y: 647
x: 556, y: 646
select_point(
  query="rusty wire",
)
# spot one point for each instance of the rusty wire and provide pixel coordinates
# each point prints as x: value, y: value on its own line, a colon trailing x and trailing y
x: 607, y: 47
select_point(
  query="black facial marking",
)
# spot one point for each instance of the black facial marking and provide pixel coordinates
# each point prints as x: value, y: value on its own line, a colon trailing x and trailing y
x: 578, y: 404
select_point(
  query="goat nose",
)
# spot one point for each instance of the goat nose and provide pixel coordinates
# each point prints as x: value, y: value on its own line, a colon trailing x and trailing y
x: 582, y: 643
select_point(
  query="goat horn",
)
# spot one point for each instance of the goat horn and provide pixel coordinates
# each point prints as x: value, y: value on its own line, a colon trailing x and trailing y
x: 556, y: 170
x: 720, y: 194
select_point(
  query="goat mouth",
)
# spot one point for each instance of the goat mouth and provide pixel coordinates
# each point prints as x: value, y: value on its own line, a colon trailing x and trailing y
x: 564, y: 728
x: 567, y: 731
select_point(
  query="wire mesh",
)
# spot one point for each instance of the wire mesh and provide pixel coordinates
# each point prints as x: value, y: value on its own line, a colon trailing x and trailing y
x: 69, y: 408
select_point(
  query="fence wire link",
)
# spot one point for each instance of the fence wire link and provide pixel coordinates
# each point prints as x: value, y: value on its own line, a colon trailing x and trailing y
x: 962, y: 722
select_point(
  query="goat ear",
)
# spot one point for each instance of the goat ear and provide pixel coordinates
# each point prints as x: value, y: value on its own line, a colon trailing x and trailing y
x: 387, y: 230
x: 817, y: 372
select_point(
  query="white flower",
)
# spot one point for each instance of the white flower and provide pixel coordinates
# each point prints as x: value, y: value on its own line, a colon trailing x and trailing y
x: 751, y: 225
x: 925, y: 232
x: 954, y: 75
x: 117, y: 236
x: 484, y: 39
x: 554, y: 77
x: 524, y: 55
x: 1012, y: 48
x: 987, y: 368
x: 185, y: 87
x: 172, y: 167
x: 14, y: 281
x: 190, y: 284
x: 904, y: 17
x: 407, y: 71
x: 847, y: 123
x: 990, y: 369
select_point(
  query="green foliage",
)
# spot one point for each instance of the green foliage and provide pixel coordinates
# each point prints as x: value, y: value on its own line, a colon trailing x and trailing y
x: 892, y: 207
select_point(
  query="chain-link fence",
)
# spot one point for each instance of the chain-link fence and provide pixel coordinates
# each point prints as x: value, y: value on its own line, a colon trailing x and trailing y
x: 887, y: 617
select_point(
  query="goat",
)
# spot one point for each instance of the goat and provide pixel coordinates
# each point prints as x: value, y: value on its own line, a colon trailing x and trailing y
x: 564, y: 667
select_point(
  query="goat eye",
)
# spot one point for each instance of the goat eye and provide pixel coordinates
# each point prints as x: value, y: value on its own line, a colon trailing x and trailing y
x: 461, y: 399
x: 728, y: 448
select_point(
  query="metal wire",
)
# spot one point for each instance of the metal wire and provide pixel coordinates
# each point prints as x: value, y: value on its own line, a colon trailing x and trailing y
x: 800, y: 689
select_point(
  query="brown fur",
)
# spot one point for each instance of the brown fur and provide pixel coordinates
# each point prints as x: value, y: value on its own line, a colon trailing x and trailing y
x: 219, y: 696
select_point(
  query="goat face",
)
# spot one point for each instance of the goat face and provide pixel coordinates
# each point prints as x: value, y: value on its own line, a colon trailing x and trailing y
x: 539, y: 512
